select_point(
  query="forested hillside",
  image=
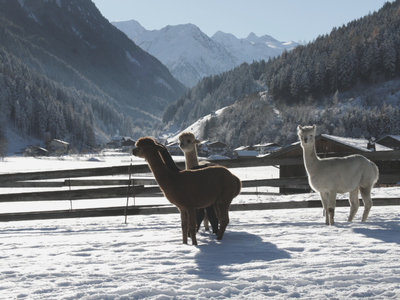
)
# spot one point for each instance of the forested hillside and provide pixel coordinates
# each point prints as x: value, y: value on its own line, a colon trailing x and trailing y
x: 65, y: 69
x: 346, y: 82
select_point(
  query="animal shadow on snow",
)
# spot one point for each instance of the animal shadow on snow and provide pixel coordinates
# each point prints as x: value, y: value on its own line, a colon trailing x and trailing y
x: 389, y: 233
x: 236, y: 248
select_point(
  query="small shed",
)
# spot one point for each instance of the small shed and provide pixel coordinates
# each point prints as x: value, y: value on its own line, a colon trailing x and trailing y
x: 327, y: 146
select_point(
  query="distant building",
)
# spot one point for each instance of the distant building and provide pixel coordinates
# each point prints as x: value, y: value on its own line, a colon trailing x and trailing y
x: 217, y: 148
x: 391, y: 141
x: 128, y: 145
x: 58, y: 146
x: 266, y: 148
x: 35, y: 151
x: 116, y: 141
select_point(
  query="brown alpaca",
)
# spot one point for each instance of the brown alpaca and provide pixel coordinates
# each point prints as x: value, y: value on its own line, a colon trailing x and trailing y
x: 191, y: 189
x: 188, y: 143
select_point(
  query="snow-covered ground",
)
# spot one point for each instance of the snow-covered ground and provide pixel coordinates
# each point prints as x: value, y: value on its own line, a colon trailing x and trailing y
x: 277, y: 254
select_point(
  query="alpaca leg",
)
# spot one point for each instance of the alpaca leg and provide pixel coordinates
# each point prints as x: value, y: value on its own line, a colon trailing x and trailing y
x: 191, y: 213
x: 184, y: 225
x: 366, y: 197
x: 212, y: 218
x: 324, y: 200
x: 205, y: 220
x: 354, y: 204
x: 331, y: 207
x: 199, y: 217
x: 222, y: 212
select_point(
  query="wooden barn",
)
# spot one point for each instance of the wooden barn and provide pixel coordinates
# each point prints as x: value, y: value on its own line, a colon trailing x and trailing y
x: 329, y: 146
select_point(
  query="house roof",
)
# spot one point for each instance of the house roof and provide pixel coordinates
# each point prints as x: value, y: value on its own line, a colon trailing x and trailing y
x: 356, y: 143
x: 217, y: 144
x: 59, y: 141
x: 395, y: 137
x: 250, y: 153
x: 267, y: 145
x: 241, y: 148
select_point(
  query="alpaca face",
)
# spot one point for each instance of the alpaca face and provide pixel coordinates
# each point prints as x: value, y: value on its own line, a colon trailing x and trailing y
x: 145, y: 146
x: 306, y: 135
x: 187, y: 141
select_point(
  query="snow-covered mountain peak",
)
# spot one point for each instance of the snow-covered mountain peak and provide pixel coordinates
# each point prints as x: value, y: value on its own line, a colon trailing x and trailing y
x: 190, y: 54
x: 131, y: 28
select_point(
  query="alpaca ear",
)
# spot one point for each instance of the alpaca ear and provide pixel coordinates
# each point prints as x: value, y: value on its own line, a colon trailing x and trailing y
x: 299, y: 128
x: 197, y: 142
x: 314, y: 126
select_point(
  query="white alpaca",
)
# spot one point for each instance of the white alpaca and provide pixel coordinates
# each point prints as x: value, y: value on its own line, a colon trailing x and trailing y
x: 330, y: 176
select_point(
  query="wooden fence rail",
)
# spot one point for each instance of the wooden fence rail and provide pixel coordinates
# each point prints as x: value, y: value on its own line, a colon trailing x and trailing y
x: 167, y: 209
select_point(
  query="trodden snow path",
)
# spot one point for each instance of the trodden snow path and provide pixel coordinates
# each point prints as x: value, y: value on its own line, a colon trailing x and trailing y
x: 281, y: 254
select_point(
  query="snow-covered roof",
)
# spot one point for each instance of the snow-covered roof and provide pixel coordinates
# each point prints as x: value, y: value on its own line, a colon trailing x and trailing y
x: 60, y: 142
x: 241, y: 148
x: 266, y: 145
x: 357, y: 143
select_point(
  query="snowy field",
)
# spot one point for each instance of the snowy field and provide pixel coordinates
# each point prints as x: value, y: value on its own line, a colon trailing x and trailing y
x: 277, y: 254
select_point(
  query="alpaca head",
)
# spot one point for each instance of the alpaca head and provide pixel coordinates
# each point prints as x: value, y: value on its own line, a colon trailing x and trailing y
x: 146, y: 146
x: 187, y: 141
x: 307, y: 135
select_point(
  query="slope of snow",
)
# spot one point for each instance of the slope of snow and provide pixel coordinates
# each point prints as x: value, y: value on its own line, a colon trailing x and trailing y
x: 131, y: 28
x: 277, y: 254
x: 191, y: 55
x: 195, y: 128
x: 253, y: 47
x: 185, y: 48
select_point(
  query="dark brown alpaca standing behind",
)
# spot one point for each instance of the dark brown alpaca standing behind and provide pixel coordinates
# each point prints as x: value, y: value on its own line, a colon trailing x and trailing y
x: 191, y: 189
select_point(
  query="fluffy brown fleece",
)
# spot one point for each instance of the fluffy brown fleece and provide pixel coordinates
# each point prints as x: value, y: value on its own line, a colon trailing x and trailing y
x: 191, y: 189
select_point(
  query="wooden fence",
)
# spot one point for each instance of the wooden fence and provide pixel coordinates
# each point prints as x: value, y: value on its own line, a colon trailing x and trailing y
x: 142, y: 187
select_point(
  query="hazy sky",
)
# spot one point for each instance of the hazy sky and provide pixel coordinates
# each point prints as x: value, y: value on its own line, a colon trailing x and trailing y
x: 296, y: 20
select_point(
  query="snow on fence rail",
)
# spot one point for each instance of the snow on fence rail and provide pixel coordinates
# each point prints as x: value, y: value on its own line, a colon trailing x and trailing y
x: 135, y: 187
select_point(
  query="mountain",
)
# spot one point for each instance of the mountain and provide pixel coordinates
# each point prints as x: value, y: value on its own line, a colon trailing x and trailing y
x: 346, y: 82
x: 252, y: 47
x: 64, y: 59
x: 191, y: 55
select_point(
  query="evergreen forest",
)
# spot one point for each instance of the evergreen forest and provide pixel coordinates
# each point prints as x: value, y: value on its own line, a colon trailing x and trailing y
x: 66, y: 70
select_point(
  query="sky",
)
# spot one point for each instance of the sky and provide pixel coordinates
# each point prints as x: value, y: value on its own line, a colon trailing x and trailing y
x: 284, y: 20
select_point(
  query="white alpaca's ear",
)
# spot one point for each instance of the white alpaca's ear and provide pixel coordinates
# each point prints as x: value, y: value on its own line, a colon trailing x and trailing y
x: 314, y: 126
x: 299, y: 128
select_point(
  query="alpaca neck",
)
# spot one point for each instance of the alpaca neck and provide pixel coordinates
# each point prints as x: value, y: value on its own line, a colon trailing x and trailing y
x: 191, y: 159
x: 311, y: 159
x: 161, y: 173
